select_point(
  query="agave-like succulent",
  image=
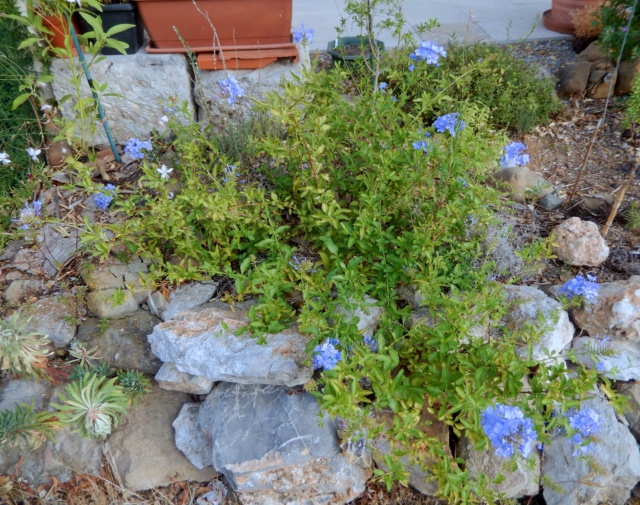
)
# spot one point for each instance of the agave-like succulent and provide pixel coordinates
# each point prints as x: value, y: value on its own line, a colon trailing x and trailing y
x: 21, y: 353
x: 134, y: 383
x: 92, y: 406
x: 24, y: 428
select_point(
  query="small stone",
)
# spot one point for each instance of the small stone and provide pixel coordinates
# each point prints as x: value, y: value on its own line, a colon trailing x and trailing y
x: 190, y: 439
x: 579, y: 243
x: 521, y: 183
x: 101, y: 303
x: 573, y: 79
x: 54, y: 316
x: 19, y: 290
x: 550, y: 202
x: 172, y: 379
x: 189, y: 297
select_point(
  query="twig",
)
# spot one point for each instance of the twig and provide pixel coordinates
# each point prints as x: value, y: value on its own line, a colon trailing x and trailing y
x: 584, y: 162
x: 620, y: 196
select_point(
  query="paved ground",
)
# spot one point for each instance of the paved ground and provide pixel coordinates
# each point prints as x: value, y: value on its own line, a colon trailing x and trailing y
x: 494, y: 20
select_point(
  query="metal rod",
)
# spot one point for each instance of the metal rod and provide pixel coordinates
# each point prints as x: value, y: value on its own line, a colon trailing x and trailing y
x: 96, y: 98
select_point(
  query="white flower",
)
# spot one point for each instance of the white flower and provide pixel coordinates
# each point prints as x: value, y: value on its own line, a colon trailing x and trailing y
x: 164, y: 171
x: 170, y: 195
x: 75, y: 2
x: 33, y: 153
x: 163, y: 120
x: 46, y: 107
x: 4, y: 158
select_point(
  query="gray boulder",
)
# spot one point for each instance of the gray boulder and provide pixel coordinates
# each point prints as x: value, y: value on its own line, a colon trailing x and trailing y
x: 202, y: 342
x: 172, y: 379
x: 55, y: 317
x: 617, y: 359
x: 272, y: 449
x: 142, y: 447
x: 188, y: 296
x: 615, y: 456
x: 190, y: 439
x: 122, y: 343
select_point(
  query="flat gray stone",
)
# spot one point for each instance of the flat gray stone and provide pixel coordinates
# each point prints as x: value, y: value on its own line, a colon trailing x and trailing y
x: 202, y: 342
x: 623, y: 366
x: 58, y: 250
x: 137, y: 108
x: 615, y: 454
x: 20, y: 289
x: 143, y: 447
x: 190, y: 438
x: 122, y: 343
x: 188, y: 296
x: 101, y: 304
x: 172, y: 379
x: 55, y: 317
x: 271, y: 448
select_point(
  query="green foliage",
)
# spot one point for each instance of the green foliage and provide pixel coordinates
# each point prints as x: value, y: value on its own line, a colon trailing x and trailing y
x: 477, y: 76
x: 92, y: 406
x: 632, y: 112
x: 21, y: 353
x: 134, y: 383
x: 633, y: 216
x: 23, y: 428
x: 614, y: 19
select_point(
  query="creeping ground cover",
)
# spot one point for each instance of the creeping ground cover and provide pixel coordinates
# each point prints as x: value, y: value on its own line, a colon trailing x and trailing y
x: 352, y: 195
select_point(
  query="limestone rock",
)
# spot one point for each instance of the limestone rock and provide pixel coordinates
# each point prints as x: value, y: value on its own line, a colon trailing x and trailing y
x: 368, y: 314
x: 135, y: 111
x: 632, y: 391
x: 624, y: 366
x: 190, y: 438
x: 614, y: 313
x: 522, y: 481
x: 188, y: 296
x: 521, y: 183
x: 103, y: 303
x: 574, y: 78
x: 418, y: 478
x: 579, y: 243
x: 172, y: 379
x: 615, y: 454
x: 142, y: 446
x: 122, y: 343
x: 531, y: 305
x: 20, y: 289
x: 626, y: 74
x: 54, y: 317
x: 286, y: 457
x: 201, y: 342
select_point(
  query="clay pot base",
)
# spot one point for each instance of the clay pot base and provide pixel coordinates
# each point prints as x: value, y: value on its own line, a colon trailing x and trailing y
x: 556, y: 23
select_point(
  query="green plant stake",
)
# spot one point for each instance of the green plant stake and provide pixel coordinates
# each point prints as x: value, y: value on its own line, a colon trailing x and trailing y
x: 87, y: 74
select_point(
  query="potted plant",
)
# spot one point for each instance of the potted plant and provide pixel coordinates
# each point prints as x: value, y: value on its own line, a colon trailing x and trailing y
x: 122, y: 14
x: 586, y: 25
x: 558, y: 18
x: 206, y: 25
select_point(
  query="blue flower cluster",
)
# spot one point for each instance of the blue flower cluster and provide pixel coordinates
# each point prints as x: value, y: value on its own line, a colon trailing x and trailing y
x: 105, y: 196
x: 370, y: 342
x: 505, y: 427
x: 30, y: 214
x: 135, y: 146
x: 513, y: 156
x: 587, y: 288
x: 428, y: 52
x: 586, y: 422
x: 424, y: 145
x: 231, y: 90
x: 449, y: 122
x: 304, y: 35
x: 326, y: 355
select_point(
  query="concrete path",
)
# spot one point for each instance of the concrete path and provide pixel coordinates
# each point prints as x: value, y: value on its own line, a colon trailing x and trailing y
x: 469, y: 20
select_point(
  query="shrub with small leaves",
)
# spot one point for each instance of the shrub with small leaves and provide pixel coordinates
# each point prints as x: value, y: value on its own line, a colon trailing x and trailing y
x: 21, y: 352
x: 92, y: 406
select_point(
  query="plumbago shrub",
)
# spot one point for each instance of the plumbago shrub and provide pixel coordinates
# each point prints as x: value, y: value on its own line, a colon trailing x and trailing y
x: 354, y: 195
x: 482, y: 75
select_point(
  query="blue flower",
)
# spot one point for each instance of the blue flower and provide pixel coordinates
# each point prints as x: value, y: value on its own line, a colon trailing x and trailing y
x: 428, y: 52
x: 449, y: 122
x: 508, y: 429
x: 586, y: 422
x: 29, y: 215
x: 326, y: 355
x: 464, y: 183
x: 135, y: 146
x: 424, y: 145
x: 370, y: 342
x: 513, y: 157
x: 588, y: 288
x: 304, y: 35
x: 411, y: 67
x: 105, y: 196
x: 382, y: 86
x: 231, y: 90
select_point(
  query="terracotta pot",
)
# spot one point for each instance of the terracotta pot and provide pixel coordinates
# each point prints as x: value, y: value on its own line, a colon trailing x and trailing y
x: 558, y: 18
x: 60, y: 30
x: 239, y: 24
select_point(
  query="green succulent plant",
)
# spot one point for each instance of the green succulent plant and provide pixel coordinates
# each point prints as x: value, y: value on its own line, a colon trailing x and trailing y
x: 134, y: 383
x: 25, y: 429
x: 21, y: 353
x: 92, y: 406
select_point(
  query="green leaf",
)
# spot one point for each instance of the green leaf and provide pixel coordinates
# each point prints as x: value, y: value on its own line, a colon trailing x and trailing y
x: 20, y: 100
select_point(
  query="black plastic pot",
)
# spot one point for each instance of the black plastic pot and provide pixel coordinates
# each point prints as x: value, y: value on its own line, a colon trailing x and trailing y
x: 338, y: 49
x: 117, y: 14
